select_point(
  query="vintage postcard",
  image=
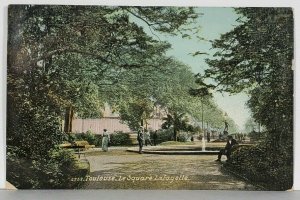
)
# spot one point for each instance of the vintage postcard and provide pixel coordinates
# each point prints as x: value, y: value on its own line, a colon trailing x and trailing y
x: 131, y: 97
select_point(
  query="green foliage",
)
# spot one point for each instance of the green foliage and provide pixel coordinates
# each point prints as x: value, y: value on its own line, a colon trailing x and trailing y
x: 251, y: 126
x: 264, y: 165
x: 256, y: 57
x: 120, y: 138
x: 167, y: 89
x: 255, y: 136
x: 153, y: 88
x: 67, y: 59
x: 82, y: 51
x: 136, y: 110
x: 32, y: 130
x: 178, y: 121
x: 164, y: 135
x: 183, y: 137
x: 116, y: 139
x: 54, y: 171
x: 241, y: 137
x: 89, y: 136
x: 157, y: 20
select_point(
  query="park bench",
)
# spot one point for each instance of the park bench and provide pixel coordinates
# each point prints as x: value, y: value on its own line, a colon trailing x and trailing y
x: 79, y: 146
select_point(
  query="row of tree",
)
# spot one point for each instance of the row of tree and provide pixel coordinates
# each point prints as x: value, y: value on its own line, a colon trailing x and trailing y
x: 64, y: 60
x: 67, y: 59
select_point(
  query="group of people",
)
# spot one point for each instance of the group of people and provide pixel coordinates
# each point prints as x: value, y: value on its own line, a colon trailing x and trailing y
x: 143, y: 137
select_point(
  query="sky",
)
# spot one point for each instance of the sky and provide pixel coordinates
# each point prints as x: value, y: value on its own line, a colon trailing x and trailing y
x: 214, y: 22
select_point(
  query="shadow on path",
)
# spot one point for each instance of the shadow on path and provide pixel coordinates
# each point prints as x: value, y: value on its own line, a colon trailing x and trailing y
x: 118, y: 169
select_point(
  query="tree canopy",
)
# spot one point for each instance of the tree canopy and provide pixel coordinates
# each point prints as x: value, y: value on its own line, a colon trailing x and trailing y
x: 257, y: 57
x: 63, y: 59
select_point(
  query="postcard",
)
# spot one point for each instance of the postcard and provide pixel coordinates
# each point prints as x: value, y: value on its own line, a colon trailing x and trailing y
x: 137, y: 97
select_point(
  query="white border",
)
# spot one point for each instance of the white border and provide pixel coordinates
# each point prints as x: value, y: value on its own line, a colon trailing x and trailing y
x: 203, y: 3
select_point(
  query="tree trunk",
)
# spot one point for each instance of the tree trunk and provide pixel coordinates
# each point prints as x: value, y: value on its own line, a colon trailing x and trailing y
x: 68, y: 119
x: 142, y: 122
x: 175, y: 134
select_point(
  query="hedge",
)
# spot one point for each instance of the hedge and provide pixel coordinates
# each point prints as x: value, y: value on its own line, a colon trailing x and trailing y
x: 271, y: 169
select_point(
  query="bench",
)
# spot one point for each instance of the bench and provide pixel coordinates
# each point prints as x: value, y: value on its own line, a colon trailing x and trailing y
x: 78, y: 146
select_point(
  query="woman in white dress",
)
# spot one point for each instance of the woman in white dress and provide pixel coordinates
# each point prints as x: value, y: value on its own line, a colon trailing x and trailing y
x: 105, y: 140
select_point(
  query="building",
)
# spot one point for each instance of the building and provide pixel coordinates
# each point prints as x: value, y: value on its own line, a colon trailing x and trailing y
x: 112, y: 122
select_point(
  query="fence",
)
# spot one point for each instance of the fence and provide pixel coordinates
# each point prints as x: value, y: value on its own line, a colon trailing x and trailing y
x: 112, y: 124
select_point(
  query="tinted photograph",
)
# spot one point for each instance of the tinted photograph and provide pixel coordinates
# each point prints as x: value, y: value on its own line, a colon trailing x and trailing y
x: 159, y: 98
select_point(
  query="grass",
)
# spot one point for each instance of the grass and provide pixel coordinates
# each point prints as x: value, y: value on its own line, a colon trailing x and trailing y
x: 109, y: 153
x: 170, y: 143
x: 83, y: 165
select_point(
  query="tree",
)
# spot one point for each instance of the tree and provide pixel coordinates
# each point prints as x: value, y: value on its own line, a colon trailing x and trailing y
x: 71, y: 53
x: 177, y: 120
x: 136, y: 112
x: 252, y: 126
x: 256, y: 57
x: 66, y: 59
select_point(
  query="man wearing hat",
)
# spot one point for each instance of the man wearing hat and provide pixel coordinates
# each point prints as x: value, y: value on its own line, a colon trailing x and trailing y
x: 227, y: 150
x: 140, y: 138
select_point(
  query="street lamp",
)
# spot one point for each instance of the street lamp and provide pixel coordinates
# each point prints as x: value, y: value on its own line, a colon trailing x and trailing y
x: 202, y: 115
x: 204, y: 91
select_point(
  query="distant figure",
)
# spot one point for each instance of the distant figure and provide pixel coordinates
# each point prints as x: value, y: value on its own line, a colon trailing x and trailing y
x: 140, y: 139
x: 147, y: 137
x: 192, y: 138
x: 227, y: 151
x: 226, y: 126
x: 220, y: 135
x: 225, y: 133
x: 105, y: 140
x: 208, y: 136
x: 155, y: 137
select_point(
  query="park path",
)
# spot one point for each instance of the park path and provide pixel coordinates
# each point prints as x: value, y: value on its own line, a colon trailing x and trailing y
x: 118, y: 169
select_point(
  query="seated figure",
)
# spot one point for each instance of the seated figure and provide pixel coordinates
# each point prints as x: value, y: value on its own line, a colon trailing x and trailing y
x: 228, y: 148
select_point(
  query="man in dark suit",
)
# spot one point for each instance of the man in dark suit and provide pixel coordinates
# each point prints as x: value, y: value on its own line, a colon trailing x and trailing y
x: 155, y: 137
x: 140, y: 139
x: 227, y: 151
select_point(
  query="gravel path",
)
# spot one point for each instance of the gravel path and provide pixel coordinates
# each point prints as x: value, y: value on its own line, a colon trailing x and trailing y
x: 118, y: 169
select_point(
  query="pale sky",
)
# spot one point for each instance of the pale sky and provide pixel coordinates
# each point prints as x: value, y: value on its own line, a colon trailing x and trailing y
x: 213, y: 22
